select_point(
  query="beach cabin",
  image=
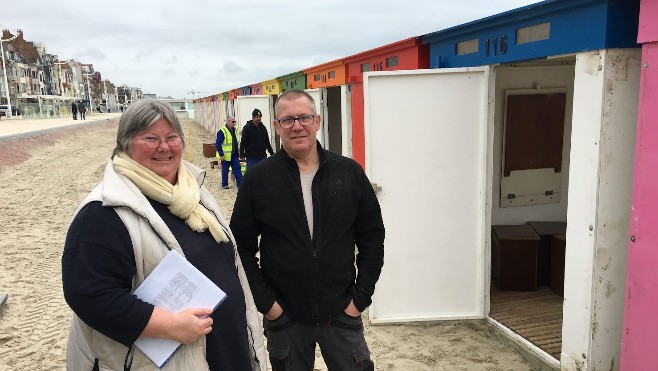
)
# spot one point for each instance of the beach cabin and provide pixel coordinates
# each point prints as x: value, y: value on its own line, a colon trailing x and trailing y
x: 517, y: 212
x: 295, y: 80
x: 214, y: 117
x: 272, y: 89
x: 211, y: 112
x: 640, y: 327
x: 408, y: 54
x: 256, y: 89
x: 232, y: 101
x: 203, y: 112
x: 245, y: 107
x: 219, y: 111
x: 264, y: 102
x: 224, y: 107
x: 327, y: 84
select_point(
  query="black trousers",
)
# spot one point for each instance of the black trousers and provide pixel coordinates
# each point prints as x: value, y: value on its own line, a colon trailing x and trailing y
x: 291, y: 345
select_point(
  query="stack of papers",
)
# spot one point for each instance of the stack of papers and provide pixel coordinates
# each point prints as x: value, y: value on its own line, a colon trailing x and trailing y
x: 174, y: 285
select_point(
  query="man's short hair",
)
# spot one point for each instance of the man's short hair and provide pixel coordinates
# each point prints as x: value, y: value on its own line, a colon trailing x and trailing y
x: 294, y: 94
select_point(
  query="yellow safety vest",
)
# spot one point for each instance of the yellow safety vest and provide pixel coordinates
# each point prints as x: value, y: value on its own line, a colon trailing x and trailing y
x: 227, y: 144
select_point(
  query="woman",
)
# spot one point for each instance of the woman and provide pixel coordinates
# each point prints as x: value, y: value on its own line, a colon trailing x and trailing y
x: 149, y: 202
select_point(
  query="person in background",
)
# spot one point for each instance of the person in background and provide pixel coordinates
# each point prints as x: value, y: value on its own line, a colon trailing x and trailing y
x: 74, y: 110
x: 255, y: 140
x: 227, y: 144
x: 304, y: 210
x: 82, y: 109
x: 149, y: 202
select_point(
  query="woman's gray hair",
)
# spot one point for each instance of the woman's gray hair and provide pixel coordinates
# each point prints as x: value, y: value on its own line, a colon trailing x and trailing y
x: 139, y: 116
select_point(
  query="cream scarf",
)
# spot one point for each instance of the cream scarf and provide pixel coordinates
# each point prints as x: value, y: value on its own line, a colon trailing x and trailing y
x: 182, y: 198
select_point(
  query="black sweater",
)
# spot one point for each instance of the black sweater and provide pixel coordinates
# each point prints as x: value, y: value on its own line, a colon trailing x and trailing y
x: 255, y: 140
x: 312, y: 279
x: 98, y: 265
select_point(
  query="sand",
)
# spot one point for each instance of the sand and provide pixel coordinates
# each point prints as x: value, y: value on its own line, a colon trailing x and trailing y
x: 45, y: 175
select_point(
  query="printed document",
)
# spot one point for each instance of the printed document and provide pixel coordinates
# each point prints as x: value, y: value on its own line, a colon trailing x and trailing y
x: 175, y: 285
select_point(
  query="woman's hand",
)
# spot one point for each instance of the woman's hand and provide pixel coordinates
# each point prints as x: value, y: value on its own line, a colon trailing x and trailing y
x: 189, y: 325
x: 186, y: 327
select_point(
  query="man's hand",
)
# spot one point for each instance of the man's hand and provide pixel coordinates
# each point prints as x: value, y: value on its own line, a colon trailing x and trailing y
x: 274, y: 312
x: 351, y: 310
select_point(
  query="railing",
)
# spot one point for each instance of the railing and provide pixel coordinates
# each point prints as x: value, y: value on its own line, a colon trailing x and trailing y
x: 31, y: 110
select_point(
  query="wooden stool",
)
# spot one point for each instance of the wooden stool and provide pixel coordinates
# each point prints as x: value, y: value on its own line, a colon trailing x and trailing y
x: 514, y: 251
x: 545, y: 230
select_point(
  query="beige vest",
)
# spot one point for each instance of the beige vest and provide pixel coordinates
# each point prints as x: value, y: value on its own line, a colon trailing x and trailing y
x: 149, y: 234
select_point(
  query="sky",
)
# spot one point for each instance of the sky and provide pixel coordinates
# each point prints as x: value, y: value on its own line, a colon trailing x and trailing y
x: 194, y: 48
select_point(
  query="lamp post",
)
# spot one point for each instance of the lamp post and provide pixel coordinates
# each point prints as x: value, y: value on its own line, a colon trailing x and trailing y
x: 4, y: 68
x: 107, y: 98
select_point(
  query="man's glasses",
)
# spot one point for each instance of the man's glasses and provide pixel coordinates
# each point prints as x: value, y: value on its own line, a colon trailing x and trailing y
x: 154, y: 142
x: 304, y: 120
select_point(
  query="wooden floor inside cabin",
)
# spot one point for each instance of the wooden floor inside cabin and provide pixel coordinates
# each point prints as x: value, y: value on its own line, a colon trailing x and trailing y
x: 535, y: 315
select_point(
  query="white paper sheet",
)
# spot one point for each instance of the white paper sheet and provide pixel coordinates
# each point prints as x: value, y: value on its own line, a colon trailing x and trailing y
x: 174, y: 285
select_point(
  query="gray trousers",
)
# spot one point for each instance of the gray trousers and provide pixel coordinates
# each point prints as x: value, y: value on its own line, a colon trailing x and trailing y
x: 291, y: 345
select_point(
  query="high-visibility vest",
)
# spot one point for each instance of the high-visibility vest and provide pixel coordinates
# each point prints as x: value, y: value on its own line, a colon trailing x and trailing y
x: 227, y: 144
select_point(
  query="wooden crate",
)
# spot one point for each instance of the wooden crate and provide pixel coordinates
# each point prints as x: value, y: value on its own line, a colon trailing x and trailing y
x: 209, y: 150
x: 545, y: 230
x: 558, y: 252
x: 514, y: 254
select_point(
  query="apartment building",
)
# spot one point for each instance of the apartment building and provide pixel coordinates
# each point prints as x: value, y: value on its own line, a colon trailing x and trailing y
x: 42, y: 85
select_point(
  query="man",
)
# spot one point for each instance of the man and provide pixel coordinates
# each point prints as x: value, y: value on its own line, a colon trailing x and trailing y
x: 310, y: 207
x: 82, y: 109
x: 227, y: 151
x: 255, y: 140
x: 74, y: 110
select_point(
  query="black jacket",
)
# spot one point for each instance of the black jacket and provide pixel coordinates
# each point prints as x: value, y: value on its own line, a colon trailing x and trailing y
x: 312, y: 280
x: 255, y: 140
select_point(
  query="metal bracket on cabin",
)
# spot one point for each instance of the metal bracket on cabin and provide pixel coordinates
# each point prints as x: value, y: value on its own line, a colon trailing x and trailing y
x: 375, y: 187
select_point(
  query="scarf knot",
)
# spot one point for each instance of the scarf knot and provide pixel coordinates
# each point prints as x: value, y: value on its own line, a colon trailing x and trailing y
x: 182, y: 199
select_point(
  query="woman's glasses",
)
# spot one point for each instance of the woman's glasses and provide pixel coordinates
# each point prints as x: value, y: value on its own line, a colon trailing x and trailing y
x: 154, y: 142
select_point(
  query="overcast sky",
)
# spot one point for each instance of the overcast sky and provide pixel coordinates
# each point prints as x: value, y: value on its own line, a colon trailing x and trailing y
x: 173, y: 48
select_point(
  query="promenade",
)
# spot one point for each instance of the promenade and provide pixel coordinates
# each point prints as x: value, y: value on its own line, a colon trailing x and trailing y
x: 17, y: 126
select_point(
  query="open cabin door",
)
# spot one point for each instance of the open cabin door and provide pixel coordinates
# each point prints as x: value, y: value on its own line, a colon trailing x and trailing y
x: 319, y: 98
x: 247, y: 104
x: 426, y: 150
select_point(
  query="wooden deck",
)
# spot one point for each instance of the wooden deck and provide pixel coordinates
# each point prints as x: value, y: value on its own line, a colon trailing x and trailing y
x: 535, y: 315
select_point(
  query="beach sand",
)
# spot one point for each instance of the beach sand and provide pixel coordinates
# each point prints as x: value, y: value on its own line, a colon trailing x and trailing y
x: 44, y: 176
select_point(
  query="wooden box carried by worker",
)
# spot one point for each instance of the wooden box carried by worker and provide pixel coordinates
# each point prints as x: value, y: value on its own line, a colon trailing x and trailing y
x: 209, y: 150
x: 514, y: 253
x: 545, y: 230
x: 558, y: 250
